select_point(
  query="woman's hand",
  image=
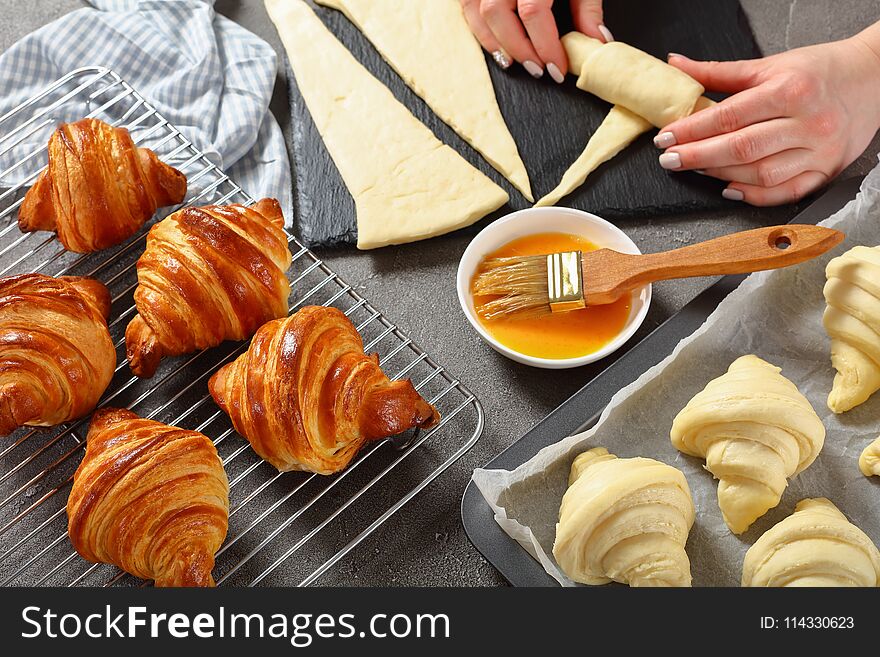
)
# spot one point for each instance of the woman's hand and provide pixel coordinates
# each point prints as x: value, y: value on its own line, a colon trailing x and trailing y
x: 526, y: 31
x: 795, y: 121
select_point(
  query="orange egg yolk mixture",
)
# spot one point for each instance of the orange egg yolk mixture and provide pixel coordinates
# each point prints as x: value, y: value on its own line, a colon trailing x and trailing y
x: 558, y: 335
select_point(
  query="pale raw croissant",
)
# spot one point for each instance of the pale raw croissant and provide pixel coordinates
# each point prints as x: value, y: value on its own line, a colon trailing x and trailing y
x: 755, y: 429
x: 99, y: 188
x: 814, y: 546
x: 307, y: 397
x: 624, y: 520
x: 149, y: 498
x: 869, y: 460
x: 56, y: 354
x: 208, y: 274
x: 852, y: 319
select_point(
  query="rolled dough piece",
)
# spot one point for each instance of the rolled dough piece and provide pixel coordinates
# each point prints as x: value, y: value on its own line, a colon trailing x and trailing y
x: 624, y: 520
x: 429, y: 44
x: 852, y: 320
x: 814, y: 546
x: 869, y: 461
x: 578, y: 46
x: 623, y: 75
x: 755, y: 429
x: 407, y: 185
x: 618, y: 130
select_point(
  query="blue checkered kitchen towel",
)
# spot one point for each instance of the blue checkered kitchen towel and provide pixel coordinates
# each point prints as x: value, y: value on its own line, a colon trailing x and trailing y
x: 207, y: 75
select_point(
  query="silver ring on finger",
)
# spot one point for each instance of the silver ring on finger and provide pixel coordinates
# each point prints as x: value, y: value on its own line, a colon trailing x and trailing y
x: 502, y: 59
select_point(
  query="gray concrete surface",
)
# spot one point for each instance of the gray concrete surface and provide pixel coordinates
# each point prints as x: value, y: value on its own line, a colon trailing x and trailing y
x: 425, y: 543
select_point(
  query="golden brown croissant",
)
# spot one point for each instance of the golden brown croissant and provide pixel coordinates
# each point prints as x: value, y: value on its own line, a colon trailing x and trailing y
x: 149, y: 498
x: 56, y: 354
x: 208, y: 274
x: 307, y: 397
x: 99, y: 188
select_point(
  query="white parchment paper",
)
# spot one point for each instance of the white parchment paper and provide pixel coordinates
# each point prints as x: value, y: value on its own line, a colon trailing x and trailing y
x: 775, y: 315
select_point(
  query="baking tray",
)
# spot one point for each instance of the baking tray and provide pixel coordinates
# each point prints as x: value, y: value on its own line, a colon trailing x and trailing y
x: 286, y: 528
x: 582, y: 410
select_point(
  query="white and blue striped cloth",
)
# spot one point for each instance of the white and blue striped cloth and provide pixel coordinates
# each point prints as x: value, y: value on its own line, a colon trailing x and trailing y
x: 207, y: 75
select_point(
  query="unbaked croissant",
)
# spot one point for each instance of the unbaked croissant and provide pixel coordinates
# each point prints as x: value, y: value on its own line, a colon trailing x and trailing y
x: 307, y: 397
x: 869, y: 460
x: 208, y: 274
x: 852, y: 319
x: 56, y: 354
x: 814, y: 546
x: 149, y: 498
x: 624, y: 520
x: 755, y: 429
x: 99, y: 188
x: 628, y: 77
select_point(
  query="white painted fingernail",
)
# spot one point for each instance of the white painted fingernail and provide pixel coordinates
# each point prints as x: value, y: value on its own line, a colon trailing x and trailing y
x: 702, y: 172
x: 606, y: 33
x: 501, y: 59
x: 732, y: 194
x: 675, y: 54
x: 534, y: 70
x: 555, y: 73
x: 670, y: 161
x: 664, y: 140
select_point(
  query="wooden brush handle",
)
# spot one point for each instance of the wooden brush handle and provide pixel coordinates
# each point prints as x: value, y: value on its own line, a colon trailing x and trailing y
x: 608, y: 275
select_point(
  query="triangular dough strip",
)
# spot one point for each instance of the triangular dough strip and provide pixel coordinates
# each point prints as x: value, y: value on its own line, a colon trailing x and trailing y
x: 429, y: 44
x: 619, y: 129
x: 407, y: 185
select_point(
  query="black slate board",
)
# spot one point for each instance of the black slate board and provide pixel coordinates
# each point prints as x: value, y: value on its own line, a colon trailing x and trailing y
x: 550, y: 123
x: 582, y: 410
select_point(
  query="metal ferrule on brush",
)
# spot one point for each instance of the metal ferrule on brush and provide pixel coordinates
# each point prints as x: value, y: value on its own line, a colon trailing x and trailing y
x: 565, y: 281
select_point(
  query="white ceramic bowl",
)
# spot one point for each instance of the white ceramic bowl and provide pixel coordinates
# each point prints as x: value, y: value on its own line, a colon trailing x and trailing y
x: 549, y: 220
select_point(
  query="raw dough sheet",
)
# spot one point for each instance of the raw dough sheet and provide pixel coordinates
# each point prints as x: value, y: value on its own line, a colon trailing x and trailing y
x: 775, y: 315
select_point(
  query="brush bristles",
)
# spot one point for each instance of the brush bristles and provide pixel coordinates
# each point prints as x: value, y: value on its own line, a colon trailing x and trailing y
x: 512, y: 286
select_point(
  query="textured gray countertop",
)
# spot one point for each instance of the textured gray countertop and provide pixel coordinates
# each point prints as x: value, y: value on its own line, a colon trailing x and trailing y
x: 424, y: 544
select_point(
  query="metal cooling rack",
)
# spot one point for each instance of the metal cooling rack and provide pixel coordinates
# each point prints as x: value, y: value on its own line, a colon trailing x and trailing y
x: 273, y: 516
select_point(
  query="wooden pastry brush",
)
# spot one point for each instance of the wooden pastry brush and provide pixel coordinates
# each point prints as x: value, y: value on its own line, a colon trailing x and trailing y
x: 534, y: 285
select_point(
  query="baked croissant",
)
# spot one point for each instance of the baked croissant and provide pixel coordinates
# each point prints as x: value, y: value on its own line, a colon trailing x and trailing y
x: 869, y: 460
x: 208, y: 274
x: 852, y: 319
x: 755, y: 429
x: 307, y: 397
x: 99, y: 188
x: 814, y: 546
x: 149, y: 498
x: 56, y: 354
x: 624, y: 520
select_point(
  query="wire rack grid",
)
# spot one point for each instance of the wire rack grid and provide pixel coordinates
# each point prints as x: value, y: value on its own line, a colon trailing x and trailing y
x: 273, y: 516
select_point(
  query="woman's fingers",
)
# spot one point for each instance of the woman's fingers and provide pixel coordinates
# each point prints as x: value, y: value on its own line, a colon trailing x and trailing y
x: 526, y: 31
x: 484, y: 34
x: 537, y: 17
x: 788, y: 192
x: 732, y: 114
x: 769, y: 172
x: 752, y: 143
x: 501, y: 17
x: 587, y: 15
x: 728, y: 77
